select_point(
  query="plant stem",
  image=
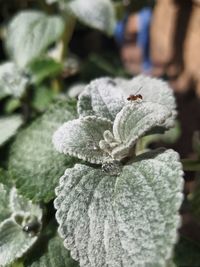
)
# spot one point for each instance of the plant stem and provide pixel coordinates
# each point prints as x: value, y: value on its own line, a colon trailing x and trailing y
x: 63, y: 47
x: 140, y: 146
x: 70, y: 22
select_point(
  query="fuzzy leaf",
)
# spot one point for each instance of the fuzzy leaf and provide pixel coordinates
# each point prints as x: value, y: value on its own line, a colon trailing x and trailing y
x: 33, y: 162
x: 152, y: 90
x: 12, y: 80
x: 17, y: 215
x: 102, y: 98
x: 105, y: 97
x: 80, y: 138
x: 56, y: 256
x: 127, y: 218
x: 14, y: 242
x: 132, y: 122
x: 18, y: 203
x: 98, y: 14
x: 4, y: 200
x: 8, y: 127
x: 30, y: 33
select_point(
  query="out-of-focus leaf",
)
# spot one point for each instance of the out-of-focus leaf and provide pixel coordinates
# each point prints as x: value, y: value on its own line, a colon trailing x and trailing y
x: 43, y: 96
x: 30, y: 33
x: 8, y: 127
x: 11, y: 105
x: 12, y: 81
x: 4, y: 202
x: 99, y: 14
x: 43, y: 68
x: 76, y: 89
x: 33, y: 162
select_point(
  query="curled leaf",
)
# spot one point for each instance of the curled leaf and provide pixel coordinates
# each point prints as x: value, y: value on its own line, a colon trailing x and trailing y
x: 131, y: 123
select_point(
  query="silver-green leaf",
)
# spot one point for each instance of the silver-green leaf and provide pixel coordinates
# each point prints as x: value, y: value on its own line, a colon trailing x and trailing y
x: 132, y: 122
x: 14, y: 242
x: 18, y: 203
x: 4, y: 201
x: 30, y: 33
x: 12, y: 81
x: 33, y: 161
x: 98, y: 14
x: 80, y: 138
x: 105, y: 97
x: 125, y: 219
x: 8, y: 127
x: 152, y: 90
x: 102, y: 98
x: 20, y: 224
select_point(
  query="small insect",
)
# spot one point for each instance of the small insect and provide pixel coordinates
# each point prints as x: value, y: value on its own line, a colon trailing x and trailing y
x: 134, y: 97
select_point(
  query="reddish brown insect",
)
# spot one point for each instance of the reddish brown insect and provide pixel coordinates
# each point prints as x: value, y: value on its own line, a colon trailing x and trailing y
x: 134, y: 97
